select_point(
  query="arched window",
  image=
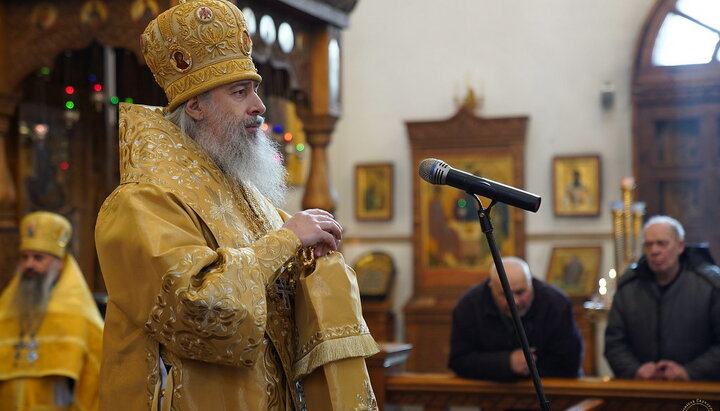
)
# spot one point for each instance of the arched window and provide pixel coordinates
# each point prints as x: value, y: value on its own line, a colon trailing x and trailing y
x: 676, y: 130
x: 689, y: 34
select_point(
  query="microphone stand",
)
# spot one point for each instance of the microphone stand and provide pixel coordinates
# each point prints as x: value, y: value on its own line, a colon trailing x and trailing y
x: 487, y: 228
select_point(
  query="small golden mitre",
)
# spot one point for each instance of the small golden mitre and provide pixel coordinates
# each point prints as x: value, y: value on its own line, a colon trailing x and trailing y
x: 45, y: 231
x: 196, y: 46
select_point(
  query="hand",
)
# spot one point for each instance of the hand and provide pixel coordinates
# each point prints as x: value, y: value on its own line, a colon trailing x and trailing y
x: 670, y: 370
x: 648, y: 371
x: 518, y: 365
x: 316, y: 228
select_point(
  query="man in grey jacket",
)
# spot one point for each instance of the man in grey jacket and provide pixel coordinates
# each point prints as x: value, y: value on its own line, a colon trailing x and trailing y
x: 665, y: 318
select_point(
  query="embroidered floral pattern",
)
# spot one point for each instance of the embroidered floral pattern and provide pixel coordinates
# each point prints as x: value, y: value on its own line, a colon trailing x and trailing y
x: 330, y: 334
x: 153, y: 365
x: 187, y: 47
x: 154, y: 151
x: 367, y: 400
x: 198, y: 315
x: 281, y: 322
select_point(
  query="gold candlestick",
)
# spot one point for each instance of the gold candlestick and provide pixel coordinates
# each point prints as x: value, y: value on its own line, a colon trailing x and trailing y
x: 618, y: 238
x: 638, y: 212
x: 627, y: 185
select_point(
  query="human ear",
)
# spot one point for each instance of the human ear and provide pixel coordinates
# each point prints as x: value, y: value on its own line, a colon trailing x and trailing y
x: 193, y: 109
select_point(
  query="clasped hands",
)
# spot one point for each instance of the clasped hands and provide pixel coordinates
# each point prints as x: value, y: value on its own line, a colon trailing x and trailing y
x: 662, y: 370
x: 317, y: 229
x: 518, y: 365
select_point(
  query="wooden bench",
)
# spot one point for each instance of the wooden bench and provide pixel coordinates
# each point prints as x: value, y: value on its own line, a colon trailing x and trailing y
x: 438, y: 391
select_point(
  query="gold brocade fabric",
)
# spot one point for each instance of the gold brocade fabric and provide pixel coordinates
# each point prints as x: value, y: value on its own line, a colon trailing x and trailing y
x: 328, y: 301
x: 69, y: 343
x: 197, y: 46
x: 201, y: 274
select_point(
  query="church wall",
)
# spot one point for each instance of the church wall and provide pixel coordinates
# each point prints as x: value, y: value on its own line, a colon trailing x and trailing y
x: 407, y: 61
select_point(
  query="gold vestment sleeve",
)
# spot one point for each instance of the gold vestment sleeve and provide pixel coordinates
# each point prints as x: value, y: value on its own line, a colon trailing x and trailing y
x: 340, y: 385
x: 207, y: 304
x: 333, y: 338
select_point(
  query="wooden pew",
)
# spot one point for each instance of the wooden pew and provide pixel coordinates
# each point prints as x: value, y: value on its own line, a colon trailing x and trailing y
x: 437, y: 391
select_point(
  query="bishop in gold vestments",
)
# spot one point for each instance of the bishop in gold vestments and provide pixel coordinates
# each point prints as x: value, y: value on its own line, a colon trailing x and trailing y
x: 50, y: 355
x: 214, y: 302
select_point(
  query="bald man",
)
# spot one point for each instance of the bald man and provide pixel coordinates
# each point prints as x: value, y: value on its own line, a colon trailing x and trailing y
x: 483, y: 343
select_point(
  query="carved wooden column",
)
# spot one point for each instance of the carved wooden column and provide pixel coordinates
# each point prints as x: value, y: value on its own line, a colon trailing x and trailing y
x: 320, y: 116
x: 7, y: 187
x: 8, y: 195
x: 8, y: 200
x: 319, y: 192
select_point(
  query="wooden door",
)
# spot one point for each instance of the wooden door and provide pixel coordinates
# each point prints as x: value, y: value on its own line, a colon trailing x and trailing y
x: 678, y: 166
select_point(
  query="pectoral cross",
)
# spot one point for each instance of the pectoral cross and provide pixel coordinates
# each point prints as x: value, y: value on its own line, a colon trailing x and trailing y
x: 31, y: 346
x: 283, y: 288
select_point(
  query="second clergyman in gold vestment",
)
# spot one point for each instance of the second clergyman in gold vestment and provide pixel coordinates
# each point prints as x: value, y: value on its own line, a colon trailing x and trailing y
x: 217, y: 300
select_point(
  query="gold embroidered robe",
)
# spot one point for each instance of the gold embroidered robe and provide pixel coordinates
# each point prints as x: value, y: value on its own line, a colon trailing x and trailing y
x: 69, y: 343
x: 197, y: 268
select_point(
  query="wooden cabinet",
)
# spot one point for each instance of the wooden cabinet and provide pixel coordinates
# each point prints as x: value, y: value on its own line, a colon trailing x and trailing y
x: 587, y: 331
x: 450, y: 251
x: 427, y: 328
x: 380, y: 319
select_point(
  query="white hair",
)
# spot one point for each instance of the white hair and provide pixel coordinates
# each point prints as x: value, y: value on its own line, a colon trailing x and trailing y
x: 183, y: 120
x: 663, y: 219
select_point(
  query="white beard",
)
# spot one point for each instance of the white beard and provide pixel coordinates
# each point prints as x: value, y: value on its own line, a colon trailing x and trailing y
x: 246, y: 158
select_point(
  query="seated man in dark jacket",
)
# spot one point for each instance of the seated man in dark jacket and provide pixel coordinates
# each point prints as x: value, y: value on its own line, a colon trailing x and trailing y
x: 484, y: 344
x: 664, y: 322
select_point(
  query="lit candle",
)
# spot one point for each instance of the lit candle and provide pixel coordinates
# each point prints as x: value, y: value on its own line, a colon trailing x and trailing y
x: 627, y: 183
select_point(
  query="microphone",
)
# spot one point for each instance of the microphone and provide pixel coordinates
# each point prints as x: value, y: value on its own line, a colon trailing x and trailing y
x: 438, y: 172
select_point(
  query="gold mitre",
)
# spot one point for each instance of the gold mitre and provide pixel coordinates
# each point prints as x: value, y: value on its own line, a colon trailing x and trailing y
x: 196, y: 46
x: 45, y: 231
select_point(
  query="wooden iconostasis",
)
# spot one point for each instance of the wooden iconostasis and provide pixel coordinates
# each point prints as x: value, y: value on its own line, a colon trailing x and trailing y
x: 66, y: 145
